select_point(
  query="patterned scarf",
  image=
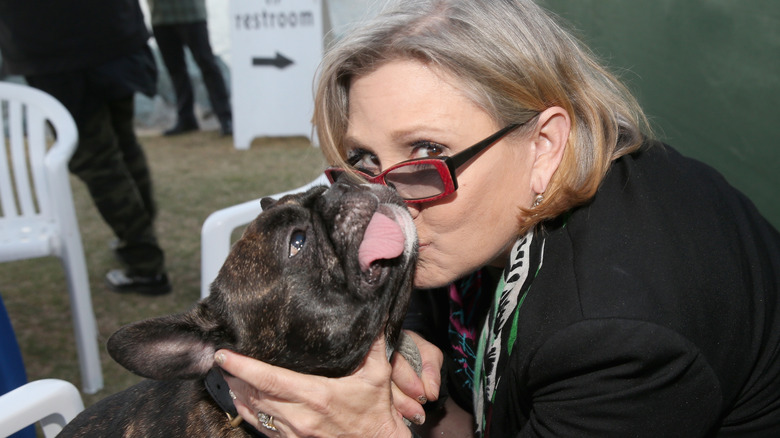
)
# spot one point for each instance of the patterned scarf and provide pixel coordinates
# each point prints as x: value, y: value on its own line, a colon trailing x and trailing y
x: 498, y: 335
x: 464, y: 295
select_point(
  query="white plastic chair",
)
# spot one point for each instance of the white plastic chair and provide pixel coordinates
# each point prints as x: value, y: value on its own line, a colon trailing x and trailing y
x: 53, y: 402
x: 215, y: 235
x: 38, y: 218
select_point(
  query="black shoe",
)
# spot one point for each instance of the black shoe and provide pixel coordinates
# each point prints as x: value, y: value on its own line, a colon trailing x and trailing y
x: 182, y: 128
x: 119, y: 281
x: 227, y: 128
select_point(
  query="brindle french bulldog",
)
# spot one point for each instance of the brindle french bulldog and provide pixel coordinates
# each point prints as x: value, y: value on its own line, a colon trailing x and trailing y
x: 313, y: 281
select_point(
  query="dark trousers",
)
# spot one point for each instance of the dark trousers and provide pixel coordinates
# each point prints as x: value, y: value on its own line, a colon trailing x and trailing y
x: 171, y: 39
x: 111, y: 162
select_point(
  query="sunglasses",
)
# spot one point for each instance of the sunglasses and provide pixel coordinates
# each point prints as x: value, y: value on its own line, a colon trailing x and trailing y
x: 424, y: 179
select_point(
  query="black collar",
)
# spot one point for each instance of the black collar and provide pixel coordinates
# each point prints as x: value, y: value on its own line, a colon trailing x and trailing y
x: 220, y: 393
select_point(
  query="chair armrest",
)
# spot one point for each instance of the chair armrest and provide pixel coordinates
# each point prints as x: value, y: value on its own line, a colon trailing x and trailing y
x: 53, y: 402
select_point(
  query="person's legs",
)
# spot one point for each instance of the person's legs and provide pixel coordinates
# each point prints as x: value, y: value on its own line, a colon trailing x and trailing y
x: 171, y: 44
x: 99, y: 163
x: 138, y: 249
x: 122, y: 116
x: 196, y: 37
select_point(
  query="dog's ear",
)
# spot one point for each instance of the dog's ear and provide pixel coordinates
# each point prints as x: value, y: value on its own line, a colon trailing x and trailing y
x: 267, y: 203
x: 170, y: 347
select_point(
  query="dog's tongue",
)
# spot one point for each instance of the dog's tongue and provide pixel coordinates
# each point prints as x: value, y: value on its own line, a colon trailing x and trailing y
x: 383, y: 239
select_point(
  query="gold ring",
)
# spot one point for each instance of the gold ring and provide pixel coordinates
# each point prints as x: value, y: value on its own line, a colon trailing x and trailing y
x: 267, y: 421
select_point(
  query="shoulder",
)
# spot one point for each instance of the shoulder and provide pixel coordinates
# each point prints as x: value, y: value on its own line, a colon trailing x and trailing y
x: 665, y: 236
x: 669, y: 242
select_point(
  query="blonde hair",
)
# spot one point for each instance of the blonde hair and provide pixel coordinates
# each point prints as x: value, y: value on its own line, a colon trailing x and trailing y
x: 514, y: 60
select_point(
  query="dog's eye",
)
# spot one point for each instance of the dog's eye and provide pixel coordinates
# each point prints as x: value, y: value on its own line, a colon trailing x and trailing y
x: 297, y: 240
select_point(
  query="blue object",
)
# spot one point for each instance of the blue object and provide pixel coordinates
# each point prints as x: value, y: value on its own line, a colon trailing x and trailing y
x: 12, y: 374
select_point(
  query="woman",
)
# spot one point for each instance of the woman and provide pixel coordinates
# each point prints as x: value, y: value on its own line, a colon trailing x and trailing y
x: 639, y: 292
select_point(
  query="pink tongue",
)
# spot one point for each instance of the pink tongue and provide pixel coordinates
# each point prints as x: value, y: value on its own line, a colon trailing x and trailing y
x: 383, y: 239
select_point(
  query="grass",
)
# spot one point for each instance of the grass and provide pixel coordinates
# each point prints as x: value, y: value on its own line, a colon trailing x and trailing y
x: 194, y: 175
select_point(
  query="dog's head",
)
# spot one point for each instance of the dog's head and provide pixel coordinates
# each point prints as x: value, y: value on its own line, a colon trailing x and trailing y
x: 310, y: 285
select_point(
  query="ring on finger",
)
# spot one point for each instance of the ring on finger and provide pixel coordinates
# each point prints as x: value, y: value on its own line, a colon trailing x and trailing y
x: 267, y: 421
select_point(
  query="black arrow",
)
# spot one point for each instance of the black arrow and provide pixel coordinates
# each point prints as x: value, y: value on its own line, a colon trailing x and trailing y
x: 279, y: 62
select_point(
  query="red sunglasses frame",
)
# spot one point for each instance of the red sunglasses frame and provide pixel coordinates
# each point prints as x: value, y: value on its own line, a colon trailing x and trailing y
x: 446, y: 166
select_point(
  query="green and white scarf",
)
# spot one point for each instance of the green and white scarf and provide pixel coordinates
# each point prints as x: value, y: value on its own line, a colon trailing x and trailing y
x: 499, y: 333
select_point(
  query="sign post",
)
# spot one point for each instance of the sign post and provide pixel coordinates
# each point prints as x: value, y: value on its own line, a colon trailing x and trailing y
x: 276, y: 48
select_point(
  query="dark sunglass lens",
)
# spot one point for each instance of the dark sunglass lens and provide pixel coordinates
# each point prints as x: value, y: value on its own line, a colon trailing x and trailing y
x: 416, y: 181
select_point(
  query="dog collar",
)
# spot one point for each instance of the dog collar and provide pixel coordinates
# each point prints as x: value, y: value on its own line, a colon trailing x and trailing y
x: 219, y: 391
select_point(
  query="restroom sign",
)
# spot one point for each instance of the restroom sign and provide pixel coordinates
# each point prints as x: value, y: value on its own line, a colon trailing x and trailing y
x: 276, y: 49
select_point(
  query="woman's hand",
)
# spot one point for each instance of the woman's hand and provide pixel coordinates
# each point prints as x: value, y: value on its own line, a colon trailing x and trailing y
x: 410, y: 391
x: 358, y: 405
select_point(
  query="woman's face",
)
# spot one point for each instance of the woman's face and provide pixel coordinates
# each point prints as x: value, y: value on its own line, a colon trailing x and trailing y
x: 406, y: 109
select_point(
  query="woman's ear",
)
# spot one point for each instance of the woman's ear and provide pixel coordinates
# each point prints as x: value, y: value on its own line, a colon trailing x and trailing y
x: 549, y: 138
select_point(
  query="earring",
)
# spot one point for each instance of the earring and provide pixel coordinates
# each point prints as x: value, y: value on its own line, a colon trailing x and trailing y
x: 538, y: 200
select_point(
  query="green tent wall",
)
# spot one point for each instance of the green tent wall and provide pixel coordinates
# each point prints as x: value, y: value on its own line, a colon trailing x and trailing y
x: 707, y: 72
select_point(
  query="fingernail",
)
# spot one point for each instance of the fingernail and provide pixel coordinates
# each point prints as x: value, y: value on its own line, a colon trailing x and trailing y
x: 435, y: 388
x: 418, y: 419
x: 422, y: 399
x: 219, y: 357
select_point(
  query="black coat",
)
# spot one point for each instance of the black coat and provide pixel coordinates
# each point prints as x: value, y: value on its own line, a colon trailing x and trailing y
x: 655, y: 314
x: 45, y: 36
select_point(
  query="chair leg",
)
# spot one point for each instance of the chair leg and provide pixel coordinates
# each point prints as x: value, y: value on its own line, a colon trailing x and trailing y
x: 84, y: 325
